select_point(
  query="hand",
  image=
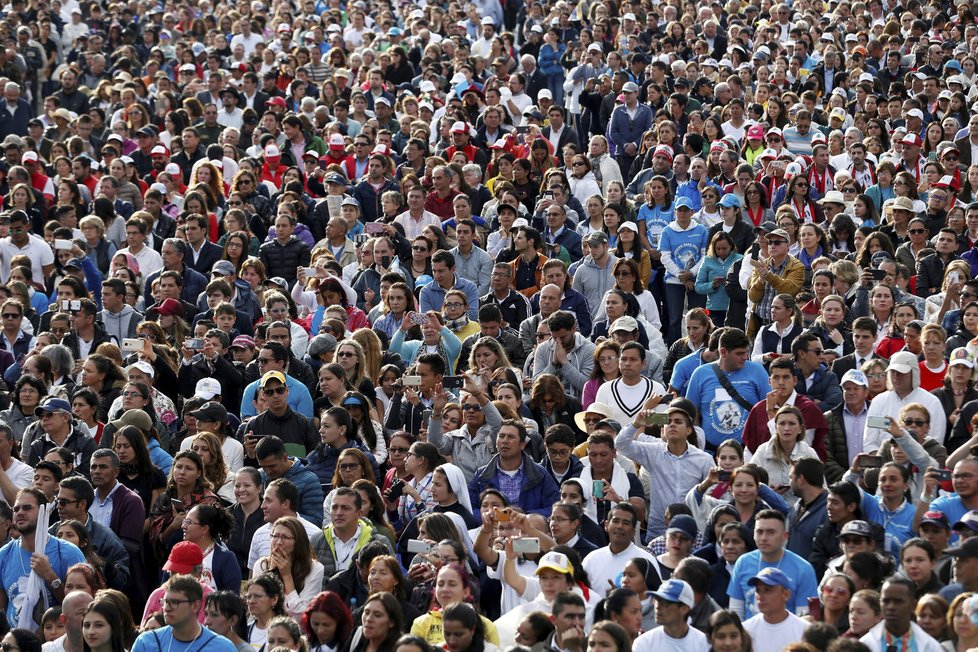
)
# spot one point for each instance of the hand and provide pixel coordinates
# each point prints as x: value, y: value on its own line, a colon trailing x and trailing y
x: 411, y: 394
x: 895, y: 430
x: 760, y: 264
x: 148, y: 353
x: 406, y: 322
x: 559, y: 354
x: 610, y: 493
x: 300, y: 275
x: 209, y: 353
x: 717, y: 281
x: 368, y: 296
x: 836, y: 336
x: 630, y: 149
x: 953, y: 417
x: 76, y: 251
x: 188, y: 353
x: 250, y: 442
x: 41, y: 566
x: 857, y: 463
x: 689, y: 285
x: 867, y: 278
x: 772, y: 401
x: 932, y: 483
x: 440, y: 399
x: 685, y: 275
x: 573, y: 638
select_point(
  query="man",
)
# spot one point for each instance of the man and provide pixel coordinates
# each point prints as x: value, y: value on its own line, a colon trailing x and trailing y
x: 22, y: 242
x: 55, y: 417
x: 13, y: 338
x: 814, y: 379
x: 770, y: 535
x: 864, y: 332
x: 512, y: 305
x: 673, y: 602
x: 846, y: 425
x: 275, y: 463
x: 203, y: 254
x: 72, y: 613
x: 567, y: 354
x: 14, y: 474
x: 286, y: 252
x: 491, y: 326
x: 967, y: 145
x: 697, y: 573
x: 780, y: 273
x: 75, y: 498
x: 210, y: 362
x: 150, y: 261
x: 442, y: 194
x: 605, y: 564
x: 461, y: 142
x: 842, y: 506
x: 628, y: 122
x: 534, y: 329
x: 955, y: 505
x: 593, y: 278
x: 568, y: 623
x: 555, y: 273
x: 798, y: 138
x: 807, y: 480
x: 898, y: 601
x: 558, y: 133
x: 118, y: 317
x: 173, y: 255
x: 522, y: 481
x: 16, y: 556
x: 443, y: 270
x: 416, y: 218
x: 930, y: 269
x: 182, y: 603
x: 472, y: 262
x: 279, y: 500
x: 336, y: 545
x: 275, y: 357
x: 15, y: 112
x: 903, y: 381
x: 760, y: 420
x: 725, y: 391
x: 115, y: 506
x: 471, y: 446
x: 558, y: 235
x: 528, y: 265
x: 628, y: 393
x: 774, y: 626
x: 618, y: 484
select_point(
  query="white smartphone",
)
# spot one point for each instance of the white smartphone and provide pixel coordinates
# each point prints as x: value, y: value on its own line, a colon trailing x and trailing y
x: 63, y: 244
x: 132, y: 344
x: 416, y: 546
x: 526, y: 545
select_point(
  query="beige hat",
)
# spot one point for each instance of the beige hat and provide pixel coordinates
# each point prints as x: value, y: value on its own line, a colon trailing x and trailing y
x: 595, y: 408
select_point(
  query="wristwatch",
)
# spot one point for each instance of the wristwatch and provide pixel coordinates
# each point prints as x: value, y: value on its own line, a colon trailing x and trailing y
x: 56, y: 584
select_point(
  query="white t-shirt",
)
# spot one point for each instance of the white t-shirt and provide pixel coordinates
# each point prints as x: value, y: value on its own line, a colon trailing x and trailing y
x: 22, y: 475
x: 602, y: 565
x: 510, y: 598
x: 773, y: 638
x: 36, y: 249
x: 657, y: 639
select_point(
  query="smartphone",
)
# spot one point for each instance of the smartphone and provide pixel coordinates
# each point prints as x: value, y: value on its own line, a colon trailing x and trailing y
x: 395, y: 490
x: 501, y: 514
x: 944, y: 475
x: 878, y: 274
x: 309, y: 271
x: 755, y: 251
x: 954, y: 277
x: 426, y: 417
x: 63, y: 244
x: 195, y: 343
x: 453, y: 382
x: 523, y: 129
x: 411, y: 381
x: 878, y: 422
x: 177, y: 504
x: 323, y: 164
x: 526, y: 545
x: 815, y: 608
x: 657, y: 419
x: 132, y: 344
x: 548, y: 194
x: 416, y: 546
x: 373, y: 228
x: 360, y: 238
x: 724, y: 476
x: 419, y: 319
x: 597, y: 489
x: 871, y: 461
x: 69, y: 306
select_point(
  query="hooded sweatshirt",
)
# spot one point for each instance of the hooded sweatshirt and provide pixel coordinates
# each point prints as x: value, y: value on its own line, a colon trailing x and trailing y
x: 682, y: 249
x: 594, y: 281
x: 120, y: 325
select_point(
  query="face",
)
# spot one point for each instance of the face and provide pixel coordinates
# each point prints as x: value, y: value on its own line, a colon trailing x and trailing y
x: 727, y: 639
x: 917, y: 564
x: 862, y: 618
x: 323, y: 626
x: 96, y: 630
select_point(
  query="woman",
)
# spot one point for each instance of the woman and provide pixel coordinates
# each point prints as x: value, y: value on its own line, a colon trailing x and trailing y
x: 137, y: 471
x: 224, y: 614
x: 787, y: 446
x: 434, y: 335
x: 756, y: 208
x: 955, y: 273
x: 549, y: 404
x: 237, y: 248
x: 909, y: 253
x: 209, y: 526
x: 381, y: 623
x: 775, y: 339
x: 327, y: 623
x: 594, y: 220
x: 398, y: 302
x: 918, y: 561
x: 798, y: 197
x: 102, y: 629
x: 962, y: 630
x: 266, y: 600
x: 732, y: 223
x: 931, y: 615
x: 628, y: 248
x: 881, y: 306
x: 385, y: 576
x: 246, y: 514
x: 291, y: 560
x: 698, y: 329
x: 27, y: 395
x: 727, y: 633
x: 605, y: 370
x: 835, y: 591
x: 97, y: 246
x: 186, y: 487
x: 655, y: 214
x: 105, y: 378
x: 422, y: 460
x: 208, y: 446
x: 933, y: 368
x: 463, y: 629
x: 628, y: 279
x: 747, y: 493
x: 583, y: 184
x: 894, y: 340
x: 90, y: 575
x: 397, y: 450
x: 830, y: 325
x: 721, y: 254
x: 814, y: 244
x: 452, y: 585
x: 967, y: 329
x: 365, y: 427
x: 351, y: 466
x: 864, y: 613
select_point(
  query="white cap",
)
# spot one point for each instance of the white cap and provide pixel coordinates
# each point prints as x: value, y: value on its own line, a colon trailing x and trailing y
x: 207, y: 388
x: 144, y: 367
x: 545, y: 94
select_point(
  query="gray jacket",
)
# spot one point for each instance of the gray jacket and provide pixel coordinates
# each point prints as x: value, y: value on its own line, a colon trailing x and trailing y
x: 468, y: 453
x: 577, y: 371
x: 594, y: 282
x: 120, y: 325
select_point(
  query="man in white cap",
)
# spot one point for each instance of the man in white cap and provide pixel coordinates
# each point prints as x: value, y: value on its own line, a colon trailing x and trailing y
x: 846, y: 425
x: 482, y: 46
x: 628, y: 122
x: 775, y: 626
x: 673, y: 602
x: 903, y: 379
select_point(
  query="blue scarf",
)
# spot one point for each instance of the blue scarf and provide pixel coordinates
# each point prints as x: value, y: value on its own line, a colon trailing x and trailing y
x: 806, y: 259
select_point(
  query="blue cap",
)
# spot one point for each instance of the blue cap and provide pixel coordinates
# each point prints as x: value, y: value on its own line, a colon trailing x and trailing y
x: 676, y: 591
x: 683, y: 202
x: 422, y: 281
x: 730, y: 199
x: 74, y: 262
x: 953, y: 65
x: 684, y: 525
x: 771, y: 577
x: 53, y: 405
x: 352, y: 400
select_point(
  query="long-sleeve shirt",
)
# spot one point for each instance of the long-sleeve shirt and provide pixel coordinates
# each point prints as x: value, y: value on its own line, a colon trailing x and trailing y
x: 468, y: 453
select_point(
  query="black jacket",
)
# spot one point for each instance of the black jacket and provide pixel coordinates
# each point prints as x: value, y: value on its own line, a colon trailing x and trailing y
x: 564, y: 415
x: 71, y: 340
x: 220, y: 369
x: 210, y: 253
x: 284, y: 259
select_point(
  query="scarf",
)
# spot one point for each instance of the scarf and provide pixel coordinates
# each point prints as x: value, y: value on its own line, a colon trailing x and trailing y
x: 129, y: 469
x: 807, y: 258
x: 619, y: 482
x: 455, y: 325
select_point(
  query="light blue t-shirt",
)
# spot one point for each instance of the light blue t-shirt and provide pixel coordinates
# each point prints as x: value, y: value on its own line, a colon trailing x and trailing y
x: 161, y: 640
x: 15, y: 569
x: 683, y: 370
x: 897, y: 526
x: 798, y: 570
x: 723, y: 417
x: 953, y: 508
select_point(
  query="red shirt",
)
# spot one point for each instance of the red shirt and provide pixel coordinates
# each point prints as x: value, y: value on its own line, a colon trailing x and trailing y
x: 931, y: 380
x: 441, y: 207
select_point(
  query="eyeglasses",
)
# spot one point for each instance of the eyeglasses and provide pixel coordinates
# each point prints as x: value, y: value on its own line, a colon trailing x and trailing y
x: 542, y: 336
x: 235, y: 203
x: 11, y: 315
x: 815, y: 351
x: 471, y: 407
x: 277, y: 311
x: 849, y: 189
x: 623, y: 272
x: 7, y: 647
x: 835, y: 590
x: 347, y: 354
x: 172, y: 602
x: 187, y: 521
x: 916, y: 231
x: 579, y: 164
x: 131, y: 395
x: 281, y: 537
x: 877, y: 376
x: 397, y: 450
x: 262, y: 361
x: 454, y: 305
x: 62, y: 502
x: 801, y: 184
x: 349, y: 466
x: 272, y: 391
x: 23, y: 508
x: 965, y: 476
x: 553, y: 452
x: 776, y: 243
x: 417, y: 248
x: 915, y: 422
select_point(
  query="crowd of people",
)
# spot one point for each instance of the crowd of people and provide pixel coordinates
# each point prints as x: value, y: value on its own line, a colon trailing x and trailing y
x: 360, y: 326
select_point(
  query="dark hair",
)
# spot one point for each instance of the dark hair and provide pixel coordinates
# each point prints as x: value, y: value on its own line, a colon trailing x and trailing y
x: 725, y: 617
x: 27, y: 641
x: 229, y: 604
x: 696, y: 572
x: 466, y: 614
x: 566, y: 599
x: 613, y: 604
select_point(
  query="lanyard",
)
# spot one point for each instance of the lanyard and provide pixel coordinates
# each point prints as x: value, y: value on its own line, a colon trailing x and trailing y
x: 890, y: 647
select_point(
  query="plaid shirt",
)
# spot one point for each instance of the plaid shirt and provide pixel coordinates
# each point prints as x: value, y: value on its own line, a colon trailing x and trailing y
x: 511, y: 486
x: 763, y: 310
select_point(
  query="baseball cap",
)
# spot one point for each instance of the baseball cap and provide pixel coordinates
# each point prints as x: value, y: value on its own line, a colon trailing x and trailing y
x: 243, y: 342
x: 336, y: 178
x: 969, y: 520
x: 137, y: 418
x: 184, y: 557
x: 628, y: 226
x: 170, y: 307
x: 460, y: 127
x: 336, y: 140
x: 771, y: 576
x: 677, y: 591
x: 912, y: 139
x: 856, y: 528
x: 211, y: 411
x: 276, y: 280
x: 29, y: 157
x: 902, y: 362
x: 626, y: 323
x: 53, y: 405
x: 270, y: 376
x: 322, y: 343
x: 855, y: 376
x: 222, y: 267
x: 967, y: 548
x: 766, y: 227
x: 755, y: 132
x: 960, y: 355
x: 207, y: 388
x: 555, y: 561
x: 683, y: 202
x: 596, y: 237
x: 629, y: 87
x: 730, y: 200
x: 684, y: 525
x: 510, y: 209
x: 938, y: 518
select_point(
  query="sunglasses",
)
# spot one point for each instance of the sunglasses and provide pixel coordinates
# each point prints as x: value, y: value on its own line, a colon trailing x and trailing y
x: 272, y: 391
x: 471, y: 407
x: 914, y: 422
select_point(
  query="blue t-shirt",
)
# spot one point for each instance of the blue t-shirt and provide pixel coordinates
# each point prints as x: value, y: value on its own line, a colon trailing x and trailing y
x: 683, y: 370
x: 723, y: 417
x: 161, y: 640
x: 897, y: 526
x: 15, y: 570
x: 953, y: 508
x: 798, y: 570
x: 656, y: 219
x: 686, y: 247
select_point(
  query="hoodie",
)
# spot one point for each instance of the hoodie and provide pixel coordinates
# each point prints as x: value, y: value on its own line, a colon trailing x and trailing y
x: 682, y: 249
x: 594, y: 281
x: 120, y: 325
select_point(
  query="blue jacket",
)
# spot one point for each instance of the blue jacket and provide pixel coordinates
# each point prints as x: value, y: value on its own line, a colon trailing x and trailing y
x: 225, y: 568
x: 716, y: 298
x: 193, y: 284
x: 539, y: 491
x: 159, y: 457
x: 826, y: 390
x: 569, y: 240
x: 548, y: 60
x: 409, y: 350
x: 322, y: 461
x: 433, y: 296
x: 574, y: 302
x: 310, y: 491
x: 623, y: 129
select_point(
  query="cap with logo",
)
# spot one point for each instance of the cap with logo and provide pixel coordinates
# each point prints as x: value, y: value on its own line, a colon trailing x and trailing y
x: 270, y: 376
x: 211, y: 411
x: 676, y: 591
x: 856, y: 528
x: 961, y: 356
x: 207, y: 388
x: 855, y: 376
x: 939, y: 519
x: 771, y: 576
x: 555, y: 561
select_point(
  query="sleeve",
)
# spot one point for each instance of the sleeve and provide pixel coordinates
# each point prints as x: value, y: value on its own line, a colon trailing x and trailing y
x: 295, y: 602
x: 734, y: 589
x: 807, y: 588
x: 704, y: 282
x: 635, y: 489
x: 773, y: 498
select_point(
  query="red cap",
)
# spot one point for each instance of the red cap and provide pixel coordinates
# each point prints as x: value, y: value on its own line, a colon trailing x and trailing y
x: 184, y: 556
x: 170, y: 307
x: 276, y: 101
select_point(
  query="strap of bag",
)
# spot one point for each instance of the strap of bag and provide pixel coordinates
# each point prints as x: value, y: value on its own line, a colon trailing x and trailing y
x: 726, y: 384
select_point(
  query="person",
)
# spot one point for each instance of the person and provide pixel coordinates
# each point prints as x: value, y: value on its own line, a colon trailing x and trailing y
x: 604, y: 564
x: 181, y: 603
x: 903, y: 382
x: 774, y: 626
x: 898, y: 601
x: 209, y: 526
x: 73, y: 609
x: 381, y: 624
x: 225, y: 616
x: 327, y: 622
x: 673, y: 602
x: 567, y: 354
x: 568, y: 621
x: 470, y: 445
